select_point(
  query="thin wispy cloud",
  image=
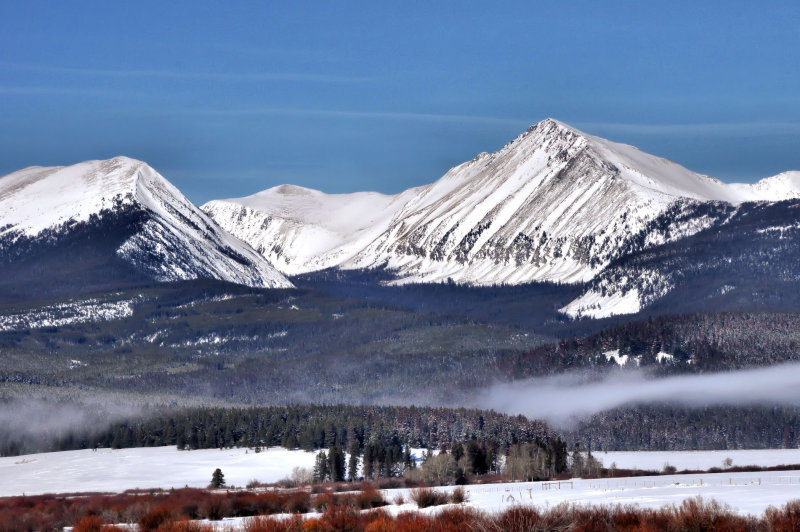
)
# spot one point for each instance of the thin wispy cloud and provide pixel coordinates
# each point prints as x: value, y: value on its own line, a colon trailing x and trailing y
x: 709, y: 128
x: 192, y: 75
x: 55, y: 91
x: 377, y: 115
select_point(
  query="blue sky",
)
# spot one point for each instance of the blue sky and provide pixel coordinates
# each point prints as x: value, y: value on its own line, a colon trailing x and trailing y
x: 226, y: 99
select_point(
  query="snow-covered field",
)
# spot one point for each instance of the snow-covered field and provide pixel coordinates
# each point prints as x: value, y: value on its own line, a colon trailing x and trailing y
x: 698, y: 460
x: 118, y: 470
x: 744, y: 492
x: 150, y: 467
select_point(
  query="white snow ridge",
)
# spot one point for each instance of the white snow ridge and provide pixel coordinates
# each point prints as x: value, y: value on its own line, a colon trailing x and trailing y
x: 178, y: 241
x: 555, y: 204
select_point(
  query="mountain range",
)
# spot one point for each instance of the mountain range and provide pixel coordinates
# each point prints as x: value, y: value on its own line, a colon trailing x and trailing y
x: 122, y: 213
x: 554, y: 205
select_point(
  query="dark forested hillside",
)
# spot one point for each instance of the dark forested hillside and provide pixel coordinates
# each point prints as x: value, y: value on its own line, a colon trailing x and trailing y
x: 748, y: 259
x: 671, y: 427
x: 225, y: 342
x: 532, y: 306
x: 306, y: 427
x: 71, y: 259
x: 695, y: 343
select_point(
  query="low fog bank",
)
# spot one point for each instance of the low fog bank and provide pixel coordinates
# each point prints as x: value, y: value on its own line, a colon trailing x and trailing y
x: 564, y: 399
x: 40, y: 418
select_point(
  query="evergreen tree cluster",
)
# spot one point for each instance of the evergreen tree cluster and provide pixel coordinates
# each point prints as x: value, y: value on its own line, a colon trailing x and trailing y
x: 381, y: 433
x: 665, y: 427
x: 696, y: 343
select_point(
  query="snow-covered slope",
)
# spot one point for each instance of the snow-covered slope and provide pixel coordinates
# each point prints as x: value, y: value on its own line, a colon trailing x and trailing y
x: 172, y: 238
x: 785, y: 186
x: 555, y: 204
x: 300, y: 230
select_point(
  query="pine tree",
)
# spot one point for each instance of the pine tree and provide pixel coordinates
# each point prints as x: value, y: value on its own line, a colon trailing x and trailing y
x: 217, y: 479
x: 321, y: 467
x: 408, y: 461
x: 354, y: 449
x: 336, y: 464
x: 369, y: 457
x: 577, y: 462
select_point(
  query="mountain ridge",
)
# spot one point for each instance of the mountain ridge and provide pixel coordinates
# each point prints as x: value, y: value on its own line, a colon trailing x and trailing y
x: 172, y: 239
x: 532, y: 211
x: 553, y: 205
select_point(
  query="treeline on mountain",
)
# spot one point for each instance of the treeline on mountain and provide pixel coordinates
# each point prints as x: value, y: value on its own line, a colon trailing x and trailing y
x: 382, y: 435
x: 530, y: 306
x: 306, y: 427
x: 238, y: 345
x: 748, y: 260
x: 70, y: 260
x: 696, y: 343
x: 665, y: 427
x: 251, y: 346
x: 228, y: 341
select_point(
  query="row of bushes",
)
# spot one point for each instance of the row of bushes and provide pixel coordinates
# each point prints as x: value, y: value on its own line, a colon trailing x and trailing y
x: 692, y: 515
x: 149, y: 510
x: 178, y: 511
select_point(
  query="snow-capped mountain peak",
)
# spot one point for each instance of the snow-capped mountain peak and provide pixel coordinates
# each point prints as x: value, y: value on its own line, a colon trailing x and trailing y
x: 175, y: 239
x: 37, y: 198
x: 553, y: 204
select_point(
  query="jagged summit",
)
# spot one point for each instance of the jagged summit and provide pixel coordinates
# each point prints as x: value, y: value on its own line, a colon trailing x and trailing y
x: 554, y: 204
x: 166, y: 236
x: 551, y: 193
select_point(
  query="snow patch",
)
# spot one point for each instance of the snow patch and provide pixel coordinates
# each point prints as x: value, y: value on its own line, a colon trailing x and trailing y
x: 614, y: 355
x: 73, y: 312
x: 664, y: 357
x: 594, y: 304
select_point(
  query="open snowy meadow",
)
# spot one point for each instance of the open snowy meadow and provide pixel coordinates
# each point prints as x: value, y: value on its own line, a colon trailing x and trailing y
x: 165, y: 467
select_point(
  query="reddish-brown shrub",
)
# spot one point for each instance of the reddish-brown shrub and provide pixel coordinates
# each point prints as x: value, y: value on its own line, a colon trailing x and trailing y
x: 630, y: 519
x: 380, y: 523
x: 185, y: 526
x: 412, y: 522
x: 529, y: 518
x: 459, y: 495
x: 457, y: 519
x: 215, y: 507
x: 90, y: 523
x: 341, y: 518
x: 266, y: 524
x: 369, y: 497
x: 298, y: 502
x: 425, y: 497
x: 153, y: 519
x: 391, y: 483
x: 697, y: 514
x: 170, y: 512
x: 323, y: 501
x: 314, y: 525
x: 784, y: 519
